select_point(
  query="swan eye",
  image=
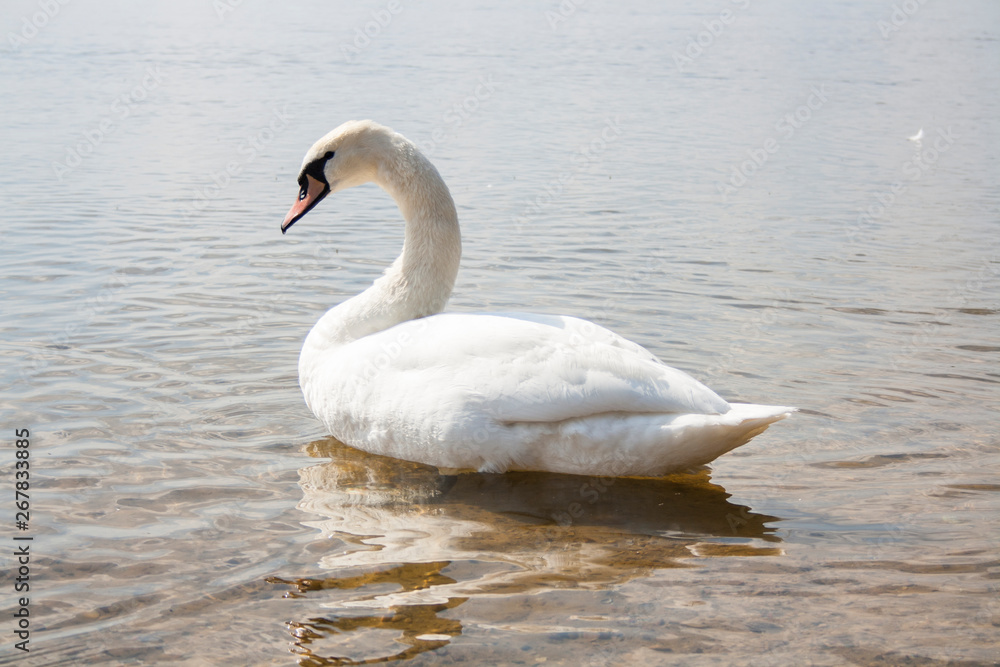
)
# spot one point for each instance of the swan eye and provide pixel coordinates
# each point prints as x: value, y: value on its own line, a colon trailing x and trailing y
x: 314, y: 169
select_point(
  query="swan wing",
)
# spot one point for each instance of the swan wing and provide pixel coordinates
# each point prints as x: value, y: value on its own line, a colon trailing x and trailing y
x: 523, y: 368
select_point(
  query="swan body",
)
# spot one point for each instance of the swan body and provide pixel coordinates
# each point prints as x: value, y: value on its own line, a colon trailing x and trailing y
x: 388, y: 373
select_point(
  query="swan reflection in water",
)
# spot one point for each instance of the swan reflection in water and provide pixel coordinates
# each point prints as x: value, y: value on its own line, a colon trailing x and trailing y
x: 405, y: 543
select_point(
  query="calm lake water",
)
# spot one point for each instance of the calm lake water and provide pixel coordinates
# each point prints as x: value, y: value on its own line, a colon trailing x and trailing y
x: 795, y: 202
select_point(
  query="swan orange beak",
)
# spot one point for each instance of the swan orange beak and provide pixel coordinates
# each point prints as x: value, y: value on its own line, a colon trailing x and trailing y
x: 311, y: 194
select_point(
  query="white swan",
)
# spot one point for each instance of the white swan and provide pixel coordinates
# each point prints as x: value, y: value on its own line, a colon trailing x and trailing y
x: 494, y: 391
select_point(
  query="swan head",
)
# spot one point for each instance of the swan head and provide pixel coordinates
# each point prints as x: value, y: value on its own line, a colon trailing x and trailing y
x: 348, y: 156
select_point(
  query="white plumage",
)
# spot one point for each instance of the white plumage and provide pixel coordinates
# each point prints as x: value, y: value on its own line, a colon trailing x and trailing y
x: 494, y: 391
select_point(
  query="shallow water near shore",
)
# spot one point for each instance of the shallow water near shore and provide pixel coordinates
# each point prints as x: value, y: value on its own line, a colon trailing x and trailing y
x: 798, y: 205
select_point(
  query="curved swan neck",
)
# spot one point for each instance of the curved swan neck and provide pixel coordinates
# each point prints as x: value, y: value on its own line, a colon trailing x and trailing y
x: 420, y: 281
x: 432, y: 245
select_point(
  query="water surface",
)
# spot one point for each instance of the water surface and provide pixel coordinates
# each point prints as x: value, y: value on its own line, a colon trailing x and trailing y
x: 737, y: 186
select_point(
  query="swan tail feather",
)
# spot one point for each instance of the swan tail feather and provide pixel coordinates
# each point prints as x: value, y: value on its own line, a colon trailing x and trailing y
x: 718, y: 434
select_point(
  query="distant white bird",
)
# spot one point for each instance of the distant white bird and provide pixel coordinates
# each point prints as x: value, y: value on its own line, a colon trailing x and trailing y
x: 386, y: 373
x: 918, y: 136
